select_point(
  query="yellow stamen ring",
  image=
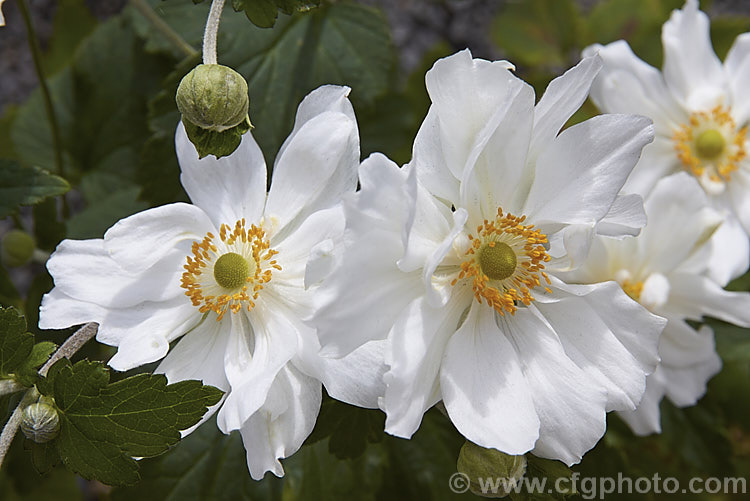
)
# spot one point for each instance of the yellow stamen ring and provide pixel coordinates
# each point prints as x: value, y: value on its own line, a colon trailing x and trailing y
x: 710, y: 144
x: 231, y: 278
x: 505, y: 262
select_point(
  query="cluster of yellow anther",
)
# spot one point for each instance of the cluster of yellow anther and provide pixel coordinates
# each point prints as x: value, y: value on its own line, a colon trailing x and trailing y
x: 220, y: 290
x: 632, y: 289
x: 710, y: 144
x: 501, y: 280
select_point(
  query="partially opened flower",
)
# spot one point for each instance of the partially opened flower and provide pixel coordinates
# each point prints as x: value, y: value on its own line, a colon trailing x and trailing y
x: 229, y: 277
x: 453, y: 260
x: 700, y: 108
x: 666, y: 270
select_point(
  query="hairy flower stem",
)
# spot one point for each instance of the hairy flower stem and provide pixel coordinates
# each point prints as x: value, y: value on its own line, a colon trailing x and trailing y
x: 212, y: 31
x: 166, y: 30
x: 68, y: 348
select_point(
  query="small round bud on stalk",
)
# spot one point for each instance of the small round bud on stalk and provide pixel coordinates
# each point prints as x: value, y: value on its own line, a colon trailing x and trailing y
x: 213, y: 97
x: 40, y: 421
x: 17, y: 248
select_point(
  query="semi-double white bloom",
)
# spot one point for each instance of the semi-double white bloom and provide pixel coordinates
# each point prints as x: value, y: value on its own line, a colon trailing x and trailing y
x: 230, y: 277
x: 666, y: 270
x: 700, y: 108
x: 453, y: 260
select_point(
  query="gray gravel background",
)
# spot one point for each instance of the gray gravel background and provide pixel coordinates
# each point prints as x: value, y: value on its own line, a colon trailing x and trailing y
x: 416, y: 26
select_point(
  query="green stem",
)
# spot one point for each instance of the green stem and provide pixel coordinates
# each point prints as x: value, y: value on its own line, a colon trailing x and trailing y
x: 157, y: 22
x: 48, y: 108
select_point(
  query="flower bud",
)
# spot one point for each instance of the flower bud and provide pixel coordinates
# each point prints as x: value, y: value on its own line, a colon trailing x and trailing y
x: 17, y: 248
x: 213, y: 97
x: 40, y: 421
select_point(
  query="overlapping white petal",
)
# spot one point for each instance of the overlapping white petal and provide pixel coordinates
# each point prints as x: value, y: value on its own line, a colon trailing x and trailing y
x: 668, y: 270
x: 694, y: 86
x: 515, y: 382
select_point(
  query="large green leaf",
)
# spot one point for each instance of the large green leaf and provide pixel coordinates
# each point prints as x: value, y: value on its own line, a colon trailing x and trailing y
x: 26, y: 186
x: 100, y: 105
x: 263, y: 13
x: 343, y: 43
x: 104, y: 425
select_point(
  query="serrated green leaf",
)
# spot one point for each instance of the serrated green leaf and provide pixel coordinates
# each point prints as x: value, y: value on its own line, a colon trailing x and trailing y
x: 103, y: 425
x: 15, y: 343
x: 26, y: 186
x: 207, y: 465
x: 263, y: 13
x: 27, y: 373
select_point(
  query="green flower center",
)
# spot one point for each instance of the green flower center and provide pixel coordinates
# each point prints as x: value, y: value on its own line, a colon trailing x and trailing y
x: 497, y: 260
x: 710, y: 144
x: 231, y: 270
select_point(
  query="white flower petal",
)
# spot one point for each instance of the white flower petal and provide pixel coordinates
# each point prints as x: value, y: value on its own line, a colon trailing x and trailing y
x: 591, y: 343
x: 257, y: 349
x: 229, y: 188
x: 199, y: 355
x: 433, y: 172
x: 658, y: 161
x: 431, y: 223
x: 414, y: 352
x: 662, y: 244
x: 139, y: 241
x: 83, y: 269
x: 645, y: 420
x: 581, y: 172
x: 628, y: 85
x: 639, y: 338
x: 438, y: 294
x: 691, y: 69
x: 494, y: 173
x: 693, y: 296
x: 357, y: 378
x: 730, y: 252
x: 465, y: 94
x: 689, y: 360
x: 368, y: 280
x: 570, y: 405
x: 564, y: 95
x: 626, y: 217
x: 737, y: 71
x: 484, y: 391
x: 294, y: 250
x: 280, y: 427
x: 739, y: 191
x: 316, y: 164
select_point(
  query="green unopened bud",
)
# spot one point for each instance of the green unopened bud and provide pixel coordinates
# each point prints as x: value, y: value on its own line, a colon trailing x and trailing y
x: 491, y: 473
x: 17, y: 248
x: 40, y: 421
x: 213, y: 97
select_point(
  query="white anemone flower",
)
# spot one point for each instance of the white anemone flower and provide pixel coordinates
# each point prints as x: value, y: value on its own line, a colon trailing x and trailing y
x: 2, y: 18
x: 666, y: 270
x: 453, y: 260
x: 229, y: 277
x: 701, y: 109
